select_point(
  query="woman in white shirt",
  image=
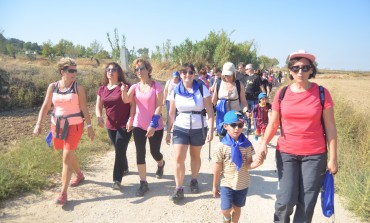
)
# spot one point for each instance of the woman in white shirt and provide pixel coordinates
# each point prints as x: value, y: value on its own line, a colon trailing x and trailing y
x: 190, y: 127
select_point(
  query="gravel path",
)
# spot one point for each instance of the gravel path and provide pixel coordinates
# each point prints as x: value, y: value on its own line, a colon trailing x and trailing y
x: 95, y: 201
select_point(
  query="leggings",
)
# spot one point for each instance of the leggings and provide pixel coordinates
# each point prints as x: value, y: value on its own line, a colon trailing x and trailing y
x: 154, y: 143
x: 120, y: 139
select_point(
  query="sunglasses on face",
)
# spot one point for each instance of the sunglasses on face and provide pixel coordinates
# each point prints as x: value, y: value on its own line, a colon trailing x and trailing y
x: 72, y: 71
x: 111, y: 70
x: 239, y: 124
x: 187, y: 72
x: 140, y: 68
x: 304, y: 68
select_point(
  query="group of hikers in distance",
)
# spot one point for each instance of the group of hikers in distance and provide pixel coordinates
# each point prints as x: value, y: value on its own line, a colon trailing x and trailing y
x: 198, y: 103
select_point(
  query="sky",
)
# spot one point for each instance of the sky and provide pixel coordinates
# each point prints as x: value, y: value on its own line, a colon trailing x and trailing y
x: 337, y: 32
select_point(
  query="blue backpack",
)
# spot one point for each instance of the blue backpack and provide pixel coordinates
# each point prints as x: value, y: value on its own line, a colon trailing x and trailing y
x: 327, y: 195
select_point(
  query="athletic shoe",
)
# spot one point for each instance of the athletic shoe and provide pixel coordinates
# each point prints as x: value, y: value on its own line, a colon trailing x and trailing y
x: 224, y: 220
x: 78, y: 180
x: 142, y: 189
x: 177, y: 195
x: 116, y: 185
x: 159, y: 173
x: 61, y: 199
x: 194, y: 188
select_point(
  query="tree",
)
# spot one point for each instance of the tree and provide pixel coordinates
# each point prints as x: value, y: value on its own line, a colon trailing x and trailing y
x: 143, y: 53
x: 114, y: 44
x: 48, y: 49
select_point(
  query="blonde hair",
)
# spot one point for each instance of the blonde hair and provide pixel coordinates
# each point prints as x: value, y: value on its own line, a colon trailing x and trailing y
x: 66, y: 62
x: 223, y: 77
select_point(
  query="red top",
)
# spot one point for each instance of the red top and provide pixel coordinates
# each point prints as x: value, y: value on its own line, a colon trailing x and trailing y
x: 117, y: 112
x: 301, y: 121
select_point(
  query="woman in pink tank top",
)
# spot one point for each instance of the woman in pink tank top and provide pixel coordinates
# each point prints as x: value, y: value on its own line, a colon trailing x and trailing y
x: 69, y: 106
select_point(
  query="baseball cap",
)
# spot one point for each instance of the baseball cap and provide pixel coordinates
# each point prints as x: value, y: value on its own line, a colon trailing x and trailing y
x: 233, y: 116
x: 262, y: 95
x: 228, y: 69
x: 249, y: 66
x: 302, y: 53
x: 176, y: 74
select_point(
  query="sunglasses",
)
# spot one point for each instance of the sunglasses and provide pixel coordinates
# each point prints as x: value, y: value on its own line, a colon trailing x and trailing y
x: 72, y: 71
x: 187, y: 72
x: 304, y: 68
x: 140, y: 68
x: 111, y: 70
x: 239, y: 124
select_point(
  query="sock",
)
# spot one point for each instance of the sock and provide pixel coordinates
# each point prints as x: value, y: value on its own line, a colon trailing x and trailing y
x: 179, y: 188
x: 227, y: 219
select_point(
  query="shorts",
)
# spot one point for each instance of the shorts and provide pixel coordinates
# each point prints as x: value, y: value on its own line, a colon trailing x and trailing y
x: 73, y: 137
x: 230, y: 197
x: 193, y: 137
x: 260, y: 130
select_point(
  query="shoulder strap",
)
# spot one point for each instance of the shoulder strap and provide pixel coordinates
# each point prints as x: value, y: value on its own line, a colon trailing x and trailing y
x: 281, y: 97
x: 237, y: 82
x: 322, y: 96
x: 201, y: 87
x: 322, y: 101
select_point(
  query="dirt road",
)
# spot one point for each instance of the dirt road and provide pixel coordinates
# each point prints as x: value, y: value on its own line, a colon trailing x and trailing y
x: 95, y: 201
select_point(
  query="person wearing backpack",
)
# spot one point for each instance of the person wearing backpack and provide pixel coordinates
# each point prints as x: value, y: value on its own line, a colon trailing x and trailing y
x: 191, y: 99
x: 308, y: 131
x: 228, y: 95
x: 253, y: 86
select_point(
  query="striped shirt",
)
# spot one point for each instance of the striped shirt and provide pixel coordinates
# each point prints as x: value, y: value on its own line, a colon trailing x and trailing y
x: 236, y: 180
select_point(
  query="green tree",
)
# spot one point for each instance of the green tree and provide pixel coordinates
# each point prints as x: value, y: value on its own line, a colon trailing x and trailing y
x: 143, y: 53
x: 48, y: 49
x: 114, y: 44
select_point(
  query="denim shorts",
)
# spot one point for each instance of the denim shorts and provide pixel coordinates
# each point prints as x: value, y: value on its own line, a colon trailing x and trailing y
x: 230, y: 197
x: 193, y: 137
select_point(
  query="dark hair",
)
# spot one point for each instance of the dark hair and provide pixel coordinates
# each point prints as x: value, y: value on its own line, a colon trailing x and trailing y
x: 216, y: 70
x: 202, y: 71
x: 121, y: 77
x: 190, y: 65
x: 295, y: 60
x: 241, y: 64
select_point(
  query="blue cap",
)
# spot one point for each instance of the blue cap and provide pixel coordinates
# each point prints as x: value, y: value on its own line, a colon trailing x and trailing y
x: 262, y: 95
x: 232, y: 116
x: 176, y: 74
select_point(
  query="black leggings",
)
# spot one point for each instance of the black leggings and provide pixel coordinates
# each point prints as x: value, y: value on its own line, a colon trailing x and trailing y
x: 120, y: 139
x: 154, y: 143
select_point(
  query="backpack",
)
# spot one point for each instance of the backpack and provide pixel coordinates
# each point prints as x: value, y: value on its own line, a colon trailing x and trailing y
x: 322, y: 101
x: 237, y: 82
x: 201, y: 84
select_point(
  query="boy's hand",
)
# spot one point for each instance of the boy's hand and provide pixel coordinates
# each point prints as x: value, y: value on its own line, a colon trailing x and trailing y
x: 215, y: 192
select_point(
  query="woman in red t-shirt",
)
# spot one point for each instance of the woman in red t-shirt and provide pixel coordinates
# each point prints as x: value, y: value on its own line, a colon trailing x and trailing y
x: 301, y: 155
x: 119, y: 115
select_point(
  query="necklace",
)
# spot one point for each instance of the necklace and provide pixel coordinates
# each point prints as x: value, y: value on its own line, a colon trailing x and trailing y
x: 64, y: 87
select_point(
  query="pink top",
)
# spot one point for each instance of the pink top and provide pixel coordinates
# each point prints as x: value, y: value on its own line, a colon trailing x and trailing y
x: 66, y: 103
x: 146, y: 105
x: 301, y: 121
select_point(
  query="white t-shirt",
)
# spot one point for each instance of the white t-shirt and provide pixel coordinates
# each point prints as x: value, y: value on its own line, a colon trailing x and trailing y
x: 170, y: 86
x: 184, y: 104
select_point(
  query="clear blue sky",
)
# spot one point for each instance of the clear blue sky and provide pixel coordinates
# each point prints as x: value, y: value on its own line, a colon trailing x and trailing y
x: 336, y: 31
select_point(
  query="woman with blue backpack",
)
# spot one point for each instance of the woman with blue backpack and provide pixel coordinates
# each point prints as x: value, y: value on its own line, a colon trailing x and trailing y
x: 305, y: 113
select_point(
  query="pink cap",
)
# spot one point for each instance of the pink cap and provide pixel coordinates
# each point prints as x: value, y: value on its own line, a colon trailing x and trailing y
x: 302, y: 53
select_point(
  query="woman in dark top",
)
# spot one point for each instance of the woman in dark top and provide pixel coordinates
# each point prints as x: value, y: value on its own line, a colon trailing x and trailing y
x: 119, y: 118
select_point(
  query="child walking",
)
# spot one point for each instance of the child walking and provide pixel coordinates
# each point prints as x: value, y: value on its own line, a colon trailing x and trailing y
x: 260, y: 114
x: 233, y: 158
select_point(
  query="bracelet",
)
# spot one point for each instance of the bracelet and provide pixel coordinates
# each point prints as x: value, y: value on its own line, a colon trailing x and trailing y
x: 89, y: 126
x: 154, y: 122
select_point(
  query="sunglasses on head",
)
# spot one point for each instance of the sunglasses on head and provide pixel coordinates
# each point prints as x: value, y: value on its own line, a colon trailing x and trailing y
x: 111, y: 70
x: 234, y: 124
x: 304, y: 68
x: 72, y: 71
x: 187, y: 72
x: 140, y: 68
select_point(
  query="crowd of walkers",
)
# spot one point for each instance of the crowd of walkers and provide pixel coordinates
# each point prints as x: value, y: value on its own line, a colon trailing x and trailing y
x: 197, y: 104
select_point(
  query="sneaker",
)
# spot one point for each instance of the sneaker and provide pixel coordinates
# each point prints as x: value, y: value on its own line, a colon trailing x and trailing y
x: 194, y: 188
x: 142, y: 189
x: 78, y: 180
x: 116, y: 185
x: 61, y: 199
x: 177, y: 195
x: 159, y: 173
x: 225, y: 220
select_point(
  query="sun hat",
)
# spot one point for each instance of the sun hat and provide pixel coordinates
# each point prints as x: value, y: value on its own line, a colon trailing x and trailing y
x: 249, y: 66
x: 262, y: 95
x: 228, y: 69
x: 232, y: 116
x: 176, y: 74
x: 302, y: 53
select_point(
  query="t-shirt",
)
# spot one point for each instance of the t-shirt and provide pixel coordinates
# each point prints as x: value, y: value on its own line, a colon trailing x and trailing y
x: 117, y: 112
x: 146, y: 105
x: 170, y: 86
x: 261, y: 115
x: 236, y: 180
x: 184, y: 104
x: 301, y: 121
x: 252, y: 87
